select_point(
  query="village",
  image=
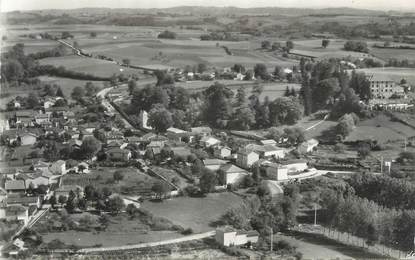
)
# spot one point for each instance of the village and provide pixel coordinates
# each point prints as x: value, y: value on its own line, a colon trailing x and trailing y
x: 171, y: 141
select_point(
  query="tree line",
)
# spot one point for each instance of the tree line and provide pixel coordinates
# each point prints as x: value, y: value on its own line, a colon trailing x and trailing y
x: 387, y: 191
x: 327, y: 85
x: 217, y: 105
x: 17, y: 67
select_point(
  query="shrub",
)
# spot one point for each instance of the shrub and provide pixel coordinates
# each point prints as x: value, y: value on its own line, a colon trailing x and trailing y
x: 187, y: 231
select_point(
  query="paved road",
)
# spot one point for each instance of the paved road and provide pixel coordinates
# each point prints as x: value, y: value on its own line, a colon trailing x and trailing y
x: 151, y: 244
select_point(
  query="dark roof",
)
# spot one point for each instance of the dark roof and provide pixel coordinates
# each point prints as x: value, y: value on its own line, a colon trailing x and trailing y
x: 14, y: 185
x: 23, y: 200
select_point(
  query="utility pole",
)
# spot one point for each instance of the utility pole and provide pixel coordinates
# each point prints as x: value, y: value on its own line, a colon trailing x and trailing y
x: 404, y: 144
x: 381, y: 164
x: 315, y: 214
x: 271, y: 239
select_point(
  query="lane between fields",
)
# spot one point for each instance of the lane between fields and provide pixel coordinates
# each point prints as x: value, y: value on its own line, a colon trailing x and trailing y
x: 150, y: 244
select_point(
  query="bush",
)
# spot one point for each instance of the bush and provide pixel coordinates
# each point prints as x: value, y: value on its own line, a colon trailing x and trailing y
x: 187, y: 231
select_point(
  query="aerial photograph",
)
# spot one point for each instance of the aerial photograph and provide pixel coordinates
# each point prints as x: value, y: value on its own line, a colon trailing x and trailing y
x: 195, y: 129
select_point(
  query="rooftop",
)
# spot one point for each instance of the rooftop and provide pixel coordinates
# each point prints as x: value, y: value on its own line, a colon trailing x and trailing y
x: 14, y: 185
x: 380, y: 77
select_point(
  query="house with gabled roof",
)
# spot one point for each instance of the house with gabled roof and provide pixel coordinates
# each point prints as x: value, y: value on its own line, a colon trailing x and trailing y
x: 222, y: 151
x: 201, y: 131
x: 15, y: 186
x: 209, y: 141
x: 118, y: 154
x: 246, y: 158
x: 214, y: 164
x: 232, y: 174
x: 228, y: 236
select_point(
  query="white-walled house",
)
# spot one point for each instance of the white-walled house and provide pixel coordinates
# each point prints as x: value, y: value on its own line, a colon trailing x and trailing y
x: 214, y: 164
x: 277, y: 171
x: 233, y: 174
x: 296, y: 166
x: 222, y: 151
x: 228, y: 236
x: 246, y: 158
x: 209, y: 141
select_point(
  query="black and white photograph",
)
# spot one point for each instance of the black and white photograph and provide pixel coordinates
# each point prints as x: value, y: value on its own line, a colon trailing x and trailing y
x: 195, y: 129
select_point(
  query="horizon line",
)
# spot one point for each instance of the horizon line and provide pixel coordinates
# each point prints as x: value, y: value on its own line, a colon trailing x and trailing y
x: 213, y: 6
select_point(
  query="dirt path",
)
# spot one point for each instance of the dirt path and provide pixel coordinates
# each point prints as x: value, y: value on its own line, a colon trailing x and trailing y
x: 151, y: 244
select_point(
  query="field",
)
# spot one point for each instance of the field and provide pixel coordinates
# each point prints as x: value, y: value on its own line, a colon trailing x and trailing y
x: 67, y: 85
x: 195, y: 213
x: 133, y: 183
x: 121, y: 230
x: 394, y: 73
x: 142, y: 47
x: 95, y: 67
x: 334, y: 50
x: 382, y: 129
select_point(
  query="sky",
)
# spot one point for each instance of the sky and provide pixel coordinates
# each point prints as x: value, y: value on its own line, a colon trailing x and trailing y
x: 11, y: 5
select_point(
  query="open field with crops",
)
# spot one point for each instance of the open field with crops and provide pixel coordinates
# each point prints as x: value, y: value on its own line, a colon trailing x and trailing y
x: 96, y: 67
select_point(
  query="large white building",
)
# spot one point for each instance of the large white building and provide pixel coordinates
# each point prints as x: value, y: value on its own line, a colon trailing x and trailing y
x: 383, y: 87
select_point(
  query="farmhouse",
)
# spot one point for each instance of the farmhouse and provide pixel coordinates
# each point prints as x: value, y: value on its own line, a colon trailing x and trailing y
x: 201, y: 131
x: 178, y: 135
x: 296, y: 166
x: 24, y: 118
x: 222, y: 151
x: 267, y: 150
x: 118, y: 154
x: 228, y: 236
x: 232, y: 174
x: 246, y: 158
x: 209, y: 141
x: 17, y: 199
x: 15, y: 186
x: 276, y: 172
x: 214, y: 164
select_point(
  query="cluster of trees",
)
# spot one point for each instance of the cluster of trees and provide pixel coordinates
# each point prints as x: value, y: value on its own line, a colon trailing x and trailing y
x: 222, y: 110
x: 218, y: 106
x: 385, y: 190
x: 366, y: 219
x: 277, y: 46
x: 219, y: 36
x: 167, y: 35
x: 326, y: 85
x: 263, y: 213
x: 79, y: 93
x: 17, y: 67
x: 346, y: 124
x: 358, y: 46
x: 55, y: 52
x: 101, y: 199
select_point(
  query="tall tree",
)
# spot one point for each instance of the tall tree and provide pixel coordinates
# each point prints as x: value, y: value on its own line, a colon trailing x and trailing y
x: 160, y: 118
